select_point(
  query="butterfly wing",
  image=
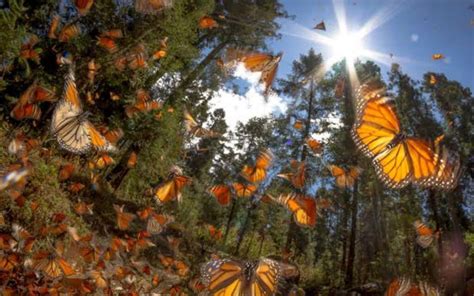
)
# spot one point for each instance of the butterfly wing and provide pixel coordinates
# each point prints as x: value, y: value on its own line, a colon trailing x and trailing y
x: 302, y: 207
x: 425, y: 234
x: 223, y: 277
x: 244, y: 190
x: 266, y: 278
x: 221, y: 193
x: 165, y: 192
x: 373, y: 133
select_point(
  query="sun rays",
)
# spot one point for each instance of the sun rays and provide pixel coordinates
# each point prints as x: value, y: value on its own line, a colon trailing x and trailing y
x: 349, y: 44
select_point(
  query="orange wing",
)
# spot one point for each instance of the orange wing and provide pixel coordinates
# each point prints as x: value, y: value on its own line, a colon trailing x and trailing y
x: 123, y: 218
x: 171, y: 189
x: 259, y: 172
x: 398, y: 159
x: 207, y: 22
x: 302, y: 207
x: 314, y: 145
x: 244, y: 190
x: 221, y: 193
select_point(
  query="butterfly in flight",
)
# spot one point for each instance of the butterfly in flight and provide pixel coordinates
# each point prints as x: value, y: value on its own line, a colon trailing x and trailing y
x: 171, y: 188
x: 70, y: 126
x: 320, y: 26
x: 297, y: 176
x: 249, y: 278
x: 258, y: 173
x: 424, y: 234
x: 222, y: 194
x: 399, y: 159
x: 314, y: 145
x: 344, y: 178
x: 196, y: 130
x: 207, y: 22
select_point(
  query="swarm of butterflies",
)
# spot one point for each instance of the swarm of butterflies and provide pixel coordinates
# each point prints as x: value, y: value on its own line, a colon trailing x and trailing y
x: 68, y: 261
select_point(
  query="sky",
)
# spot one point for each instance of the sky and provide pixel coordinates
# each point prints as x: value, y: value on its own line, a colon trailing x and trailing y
x: 407, y: 32
x: 411, y: 30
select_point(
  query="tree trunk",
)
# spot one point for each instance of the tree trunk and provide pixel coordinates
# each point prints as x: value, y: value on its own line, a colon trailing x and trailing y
x: 434, y: 208
x: 352, y: 240
x: 243, y: 230
x: 292, y: 227
x: 229, y: 220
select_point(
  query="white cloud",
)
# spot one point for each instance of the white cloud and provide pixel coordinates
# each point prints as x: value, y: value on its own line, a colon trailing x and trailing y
x: 414, y: 37
x: 241, y: 108
x: 333, y: 121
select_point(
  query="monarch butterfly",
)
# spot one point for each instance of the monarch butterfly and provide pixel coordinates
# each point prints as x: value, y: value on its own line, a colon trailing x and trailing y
x: 301, y: 206
x: 83, y: 208
x: 107, y: 43
x: 298, y: 124
x: 13, y: 177
x: 315, y: 146
x: 76, y: 187
x: 298, y: 175
x: 399, y: 159
x: 70, y: 126
x: 437, y: 56
x: 171, y: 188
x: 157, y: 222
x: 214, y: 232
x: 152, y: 6
x: 144, y: 103
x: 27, y: 50
x: 66, y: 172
x: 26, y: 107
x: 99, y: 278
x: 207, y: 22
x: 159, y: 54
x: 233, y: 277
x: 8, y: 261
x: 244, y: 190
x: 221, y: 193
x: 425, y: 235
x: 101, y: 161
x: 195, y: 130
x: 258, y: 173
x: 23, y: 239
x: 137, y: 58
x: 433, y: 79
x: 53, y: 28
x: 403, y: 286
x: 123, y: 218
x: 320, y: 26
x: 83, y: 6
x: 69, y: 32
x: 265, y: 63
x: 132, y: 160
x: 92, y: 69
x: 52, y: 263
x: 344, y: 178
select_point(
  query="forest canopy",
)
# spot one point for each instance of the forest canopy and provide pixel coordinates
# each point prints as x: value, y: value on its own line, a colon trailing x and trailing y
x: 118, y: 175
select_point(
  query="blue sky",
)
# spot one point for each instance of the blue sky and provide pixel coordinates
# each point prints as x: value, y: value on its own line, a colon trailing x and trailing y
x: 412, y: 31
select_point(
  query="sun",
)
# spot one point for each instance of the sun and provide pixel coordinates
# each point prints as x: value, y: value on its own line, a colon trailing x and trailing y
x: 347, y: 45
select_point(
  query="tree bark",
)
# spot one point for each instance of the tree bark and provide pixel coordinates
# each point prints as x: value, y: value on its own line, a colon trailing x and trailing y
x: 292, y: 226
x: 243, y: 230
x: 229, y: 220
x: 352, y: 240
